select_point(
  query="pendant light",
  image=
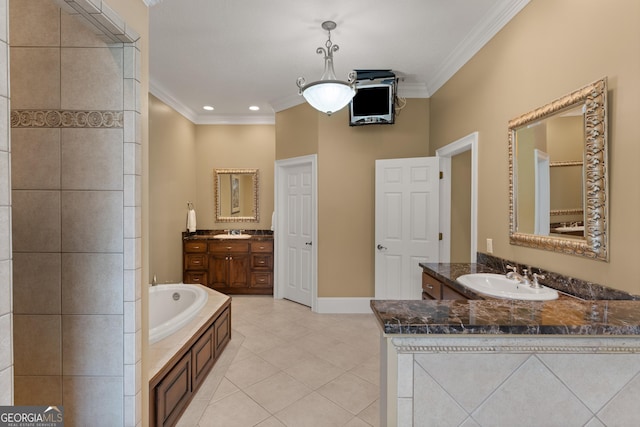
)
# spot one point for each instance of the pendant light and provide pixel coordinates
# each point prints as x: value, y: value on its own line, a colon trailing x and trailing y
x: 328, y: 94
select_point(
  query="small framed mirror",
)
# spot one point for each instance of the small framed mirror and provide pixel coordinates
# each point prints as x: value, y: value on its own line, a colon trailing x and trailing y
x: 558, y: 186
x: 236, y: 195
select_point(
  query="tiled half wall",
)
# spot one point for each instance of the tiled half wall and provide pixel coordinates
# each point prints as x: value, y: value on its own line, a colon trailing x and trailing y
x: 76, y: 210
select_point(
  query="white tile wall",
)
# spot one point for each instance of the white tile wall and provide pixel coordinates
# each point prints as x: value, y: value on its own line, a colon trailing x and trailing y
x: 6, y: 327
x: 485, y: 381
x: 94, y: 195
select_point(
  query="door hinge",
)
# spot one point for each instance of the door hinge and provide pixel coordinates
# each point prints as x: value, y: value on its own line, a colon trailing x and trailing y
x: 441, y: 174
x: 439, y: 236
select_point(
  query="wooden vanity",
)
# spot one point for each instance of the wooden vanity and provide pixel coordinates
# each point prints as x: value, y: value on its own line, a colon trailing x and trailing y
x: 230, y: 266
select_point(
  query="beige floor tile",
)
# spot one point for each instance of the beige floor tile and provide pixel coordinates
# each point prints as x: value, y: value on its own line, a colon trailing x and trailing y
x: 350, y: 392
x: 369, y: 370
x: 342, y: 355
x: 236, y: 410
x: 314, y: 372
x: 225, y: 389
x: 371, y: 414
x: 357, y: 422
x: 193, y: 413
x: 250, y: 371
x: 288, y: 366
x: 314, y: 410
x: 286, y: 356
x: 277, y: 392
x: 271, y: 422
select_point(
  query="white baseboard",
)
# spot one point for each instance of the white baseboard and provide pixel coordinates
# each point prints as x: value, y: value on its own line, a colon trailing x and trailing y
x: 349, y: 305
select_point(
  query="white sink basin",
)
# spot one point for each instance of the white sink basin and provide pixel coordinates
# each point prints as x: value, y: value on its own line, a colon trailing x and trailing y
x: 498, y: 286
x: 232, y: 236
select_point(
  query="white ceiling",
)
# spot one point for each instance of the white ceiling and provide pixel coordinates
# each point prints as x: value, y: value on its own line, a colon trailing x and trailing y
x: 235, y: 53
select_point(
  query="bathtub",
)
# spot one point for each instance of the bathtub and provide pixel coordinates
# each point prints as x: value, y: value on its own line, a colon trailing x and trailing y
x: 171, y: 307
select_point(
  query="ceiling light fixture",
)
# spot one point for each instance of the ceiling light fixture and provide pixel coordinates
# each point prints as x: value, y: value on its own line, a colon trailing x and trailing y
x: 328, y: 94
x: 208, y: 107
x: 254, y: 108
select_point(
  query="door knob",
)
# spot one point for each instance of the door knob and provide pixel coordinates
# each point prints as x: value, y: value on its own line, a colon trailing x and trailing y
x: 308, y: 243
x: 381, y: 248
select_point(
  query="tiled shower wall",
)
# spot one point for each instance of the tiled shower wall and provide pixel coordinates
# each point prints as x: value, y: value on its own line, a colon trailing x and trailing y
x: 6, y: 350
x: 75, y: 181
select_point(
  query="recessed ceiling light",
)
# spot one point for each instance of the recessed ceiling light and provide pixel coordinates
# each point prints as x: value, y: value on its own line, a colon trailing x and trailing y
x: 254, y: 108
x: 208, y: 107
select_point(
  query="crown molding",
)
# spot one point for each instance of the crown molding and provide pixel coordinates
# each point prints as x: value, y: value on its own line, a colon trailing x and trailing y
x: 488, y: 27
x: 198, y: 119
x: 163, y: 95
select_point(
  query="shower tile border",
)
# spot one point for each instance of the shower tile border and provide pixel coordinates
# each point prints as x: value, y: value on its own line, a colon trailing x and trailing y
x: 105, y: 119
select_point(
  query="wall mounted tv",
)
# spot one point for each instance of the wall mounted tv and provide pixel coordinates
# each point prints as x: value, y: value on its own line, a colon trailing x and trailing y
x: 373, y: 104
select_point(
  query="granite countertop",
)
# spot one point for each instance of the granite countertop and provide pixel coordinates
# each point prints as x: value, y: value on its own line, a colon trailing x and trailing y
x: 567, y: 315
x: 209, y: 235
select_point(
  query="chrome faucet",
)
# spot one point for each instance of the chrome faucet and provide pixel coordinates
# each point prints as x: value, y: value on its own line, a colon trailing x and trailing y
x: 154, y: 282
x: 514, y: 275
x: 535, y: 284
x: 524, y: 277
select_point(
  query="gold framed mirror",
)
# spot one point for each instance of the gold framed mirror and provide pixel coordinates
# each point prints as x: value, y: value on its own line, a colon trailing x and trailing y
x: 558, y: 189
x: 236, y: 195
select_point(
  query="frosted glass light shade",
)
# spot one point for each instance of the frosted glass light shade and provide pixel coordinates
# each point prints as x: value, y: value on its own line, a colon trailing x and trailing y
x: 328, y: 96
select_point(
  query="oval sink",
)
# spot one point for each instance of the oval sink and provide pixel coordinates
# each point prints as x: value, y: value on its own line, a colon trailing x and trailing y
x: 232, y: 236
x: 498, y: 286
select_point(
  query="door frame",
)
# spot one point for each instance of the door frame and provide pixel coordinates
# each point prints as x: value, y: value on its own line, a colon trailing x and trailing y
x: 280, y: 193
x: 469, y: 142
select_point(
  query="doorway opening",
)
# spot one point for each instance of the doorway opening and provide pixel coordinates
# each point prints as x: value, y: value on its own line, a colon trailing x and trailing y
x: 450, y: 166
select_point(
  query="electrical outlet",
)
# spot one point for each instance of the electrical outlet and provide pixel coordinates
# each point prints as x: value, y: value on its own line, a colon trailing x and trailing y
x: 490, y: 246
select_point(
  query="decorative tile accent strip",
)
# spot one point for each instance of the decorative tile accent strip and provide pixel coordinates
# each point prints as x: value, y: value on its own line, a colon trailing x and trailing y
x: 407, y: 349
x: 66, y: 119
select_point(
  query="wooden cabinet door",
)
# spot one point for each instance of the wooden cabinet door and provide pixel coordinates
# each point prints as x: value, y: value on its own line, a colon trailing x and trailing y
x: 203, y: 356
x: 238, y: 270
x: 218, y: 270
x: 222, y: 330
x: 173, y: 393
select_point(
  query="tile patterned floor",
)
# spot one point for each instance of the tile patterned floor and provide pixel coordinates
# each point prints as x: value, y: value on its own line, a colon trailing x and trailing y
x: 287, y: 366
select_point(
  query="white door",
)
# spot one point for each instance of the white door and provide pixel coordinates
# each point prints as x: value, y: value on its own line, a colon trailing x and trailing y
x: 407, y: 206
x: 297, y: 234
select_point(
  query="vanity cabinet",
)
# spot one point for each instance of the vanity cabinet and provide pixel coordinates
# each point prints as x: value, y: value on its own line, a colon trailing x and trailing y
x: 195, y: 262
x: 261, y: 266
x: 434, y: 289
x: 230, y: 266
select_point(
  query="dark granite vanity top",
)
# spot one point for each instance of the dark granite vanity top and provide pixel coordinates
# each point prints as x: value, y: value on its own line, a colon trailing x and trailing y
x: 617, y: 313
x: 209, y: 234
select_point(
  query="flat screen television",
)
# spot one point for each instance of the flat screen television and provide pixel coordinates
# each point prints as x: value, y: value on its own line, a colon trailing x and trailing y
x: 373, y: 104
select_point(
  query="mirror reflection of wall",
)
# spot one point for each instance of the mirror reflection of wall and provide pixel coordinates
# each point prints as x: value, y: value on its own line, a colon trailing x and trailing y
x: 561, y: 137
x: 236, y: 195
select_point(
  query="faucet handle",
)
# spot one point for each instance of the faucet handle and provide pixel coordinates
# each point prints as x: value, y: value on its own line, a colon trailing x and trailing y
x: 512, y: 268
x: 534, y: 283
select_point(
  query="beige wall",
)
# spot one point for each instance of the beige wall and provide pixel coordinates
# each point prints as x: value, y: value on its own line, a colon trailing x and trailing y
x: 234, y: 147
x: 182, y: 158
x: 548, y: 50
x: 172, y: 156
x: 346, y: 172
